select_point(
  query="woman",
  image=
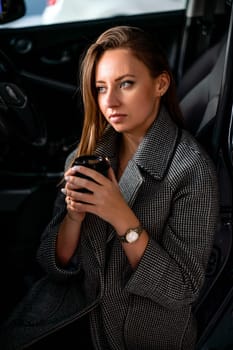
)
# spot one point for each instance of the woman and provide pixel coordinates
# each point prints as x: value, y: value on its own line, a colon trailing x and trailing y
x: 130, y: 255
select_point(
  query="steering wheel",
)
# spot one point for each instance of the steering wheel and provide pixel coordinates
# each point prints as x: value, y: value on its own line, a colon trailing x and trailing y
x: 19, y: 121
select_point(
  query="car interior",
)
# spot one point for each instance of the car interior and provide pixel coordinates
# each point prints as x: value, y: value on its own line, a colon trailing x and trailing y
x: 41, y: 122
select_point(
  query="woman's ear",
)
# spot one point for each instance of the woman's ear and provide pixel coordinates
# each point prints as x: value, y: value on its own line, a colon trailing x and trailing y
x: 162, y: 84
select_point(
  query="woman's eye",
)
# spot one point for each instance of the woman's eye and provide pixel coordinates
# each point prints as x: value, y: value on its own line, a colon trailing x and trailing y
x: 100, y: 89
x: 126, y: 83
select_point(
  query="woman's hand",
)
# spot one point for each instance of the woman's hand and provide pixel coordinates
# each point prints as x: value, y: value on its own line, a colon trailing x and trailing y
x: 103, y: 199
x: 68, y: 190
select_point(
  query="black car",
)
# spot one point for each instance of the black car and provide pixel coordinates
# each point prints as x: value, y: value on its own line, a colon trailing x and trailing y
x: 41, y: 122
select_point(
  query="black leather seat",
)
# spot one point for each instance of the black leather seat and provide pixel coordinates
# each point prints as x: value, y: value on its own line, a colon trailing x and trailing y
x: 199, y: 91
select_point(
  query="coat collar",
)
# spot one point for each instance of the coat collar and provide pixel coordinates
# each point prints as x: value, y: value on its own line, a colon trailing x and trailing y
x: 155, y: 151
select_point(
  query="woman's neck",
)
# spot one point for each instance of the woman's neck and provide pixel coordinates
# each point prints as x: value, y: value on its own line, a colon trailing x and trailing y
x: 128, y: 146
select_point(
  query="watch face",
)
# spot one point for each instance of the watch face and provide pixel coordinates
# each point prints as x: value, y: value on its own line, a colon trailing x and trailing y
x: 132, y: 236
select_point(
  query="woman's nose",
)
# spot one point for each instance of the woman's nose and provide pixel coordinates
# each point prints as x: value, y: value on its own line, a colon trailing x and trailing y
x: 111, y: 99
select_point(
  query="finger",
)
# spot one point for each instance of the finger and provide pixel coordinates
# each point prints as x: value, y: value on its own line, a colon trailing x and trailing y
x: 72, y: 184
x: 91, y: 173
x: 68, y: 200
x: 71, y: 204
x: 112, y: 176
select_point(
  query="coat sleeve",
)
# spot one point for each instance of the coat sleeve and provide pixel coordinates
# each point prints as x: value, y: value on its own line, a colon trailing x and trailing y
x: 46, y: 254
x: 172, y: 271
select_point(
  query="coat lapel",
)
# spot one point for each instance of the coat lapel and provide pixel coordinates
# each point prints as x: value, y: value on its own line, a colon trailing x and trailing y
x: 130, y: 183
x: 156, y: 151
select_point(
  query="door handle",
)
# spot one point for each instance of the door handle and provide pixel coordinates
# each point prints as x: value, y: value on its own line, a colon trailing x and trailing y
x: 64, y: 57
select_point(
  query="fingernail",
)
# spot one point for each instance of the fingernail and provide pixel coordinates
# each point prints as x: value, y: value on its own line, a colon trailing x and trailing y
x: 63, y: 190
x: 67, y: 178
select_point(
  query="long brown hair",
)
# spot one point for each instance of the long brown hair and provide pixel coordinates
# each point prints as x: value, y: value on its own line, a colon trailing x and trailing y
x: 143, y: 48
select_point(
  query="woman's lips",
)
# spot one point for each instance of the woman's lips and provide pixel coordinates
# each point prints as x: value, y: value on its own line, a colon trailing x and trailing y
x: 116, y: 118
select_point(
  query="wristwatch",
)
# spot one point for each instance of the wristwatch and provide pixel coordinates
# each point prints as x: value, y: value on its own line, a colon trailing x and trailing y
x: 131, y: 235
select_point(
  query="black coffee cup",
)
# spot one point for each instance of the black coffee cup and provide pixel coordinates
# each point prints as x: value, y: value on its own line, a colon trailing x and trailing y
x: 98, y: 163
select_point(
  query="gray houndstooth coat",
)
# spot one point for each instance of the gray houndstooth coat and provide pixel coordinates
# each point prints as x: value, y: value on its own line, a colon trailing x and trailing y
x: 171, y: 186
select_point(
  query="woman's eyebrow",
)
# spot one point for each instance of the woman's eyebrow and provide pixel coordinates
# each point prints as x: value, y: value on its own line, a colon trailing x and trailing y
x: 125, y: 76
x: 119, y: 78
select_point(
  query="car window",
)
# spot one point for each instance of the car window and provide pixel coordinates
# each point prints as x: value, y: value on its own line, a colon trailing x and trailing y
x: 45, y: 12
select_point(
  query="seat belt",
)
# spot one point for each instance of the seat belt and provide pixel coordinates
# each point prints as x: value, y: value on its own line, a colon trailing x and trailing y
x: 207, y: 25
x: 198, y: 14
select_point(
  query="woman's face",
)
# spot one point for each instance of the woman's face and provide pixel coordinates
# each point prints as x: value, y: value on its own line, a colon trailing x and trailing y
x: 128, y: 96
